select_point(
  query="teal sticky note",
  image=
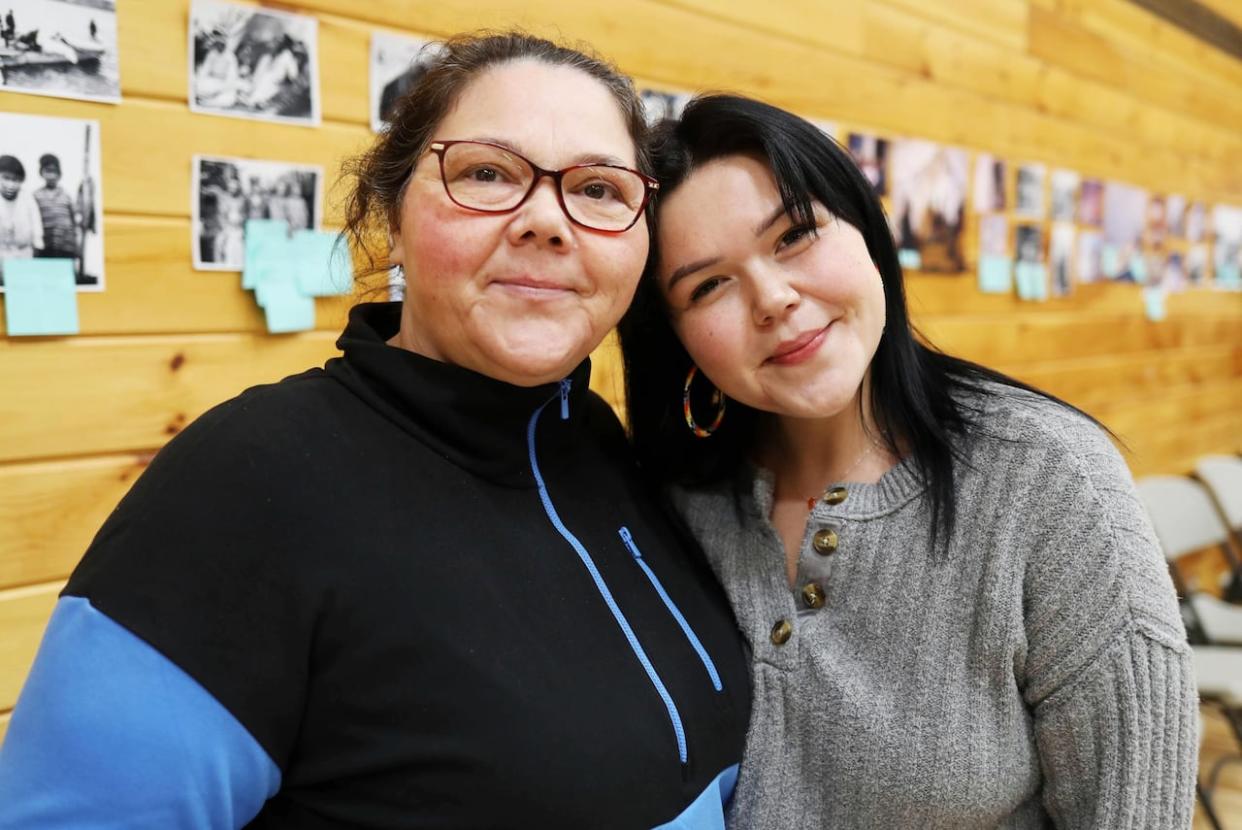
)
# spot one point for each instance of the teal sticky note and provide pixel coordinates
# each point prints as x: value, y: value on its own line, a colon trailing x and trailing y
x: 995, y: 274
x: 287, y: 309
x: 321, y: 266
x: 910, y: 259
x: 40, y: 297
x: 276, y: 279
x: 1032, y: 281
x: 1228, y: 275
x: 1153, y: 303
x: 1110, y: 261
x: 266, y: 250
x: 1138, y: 267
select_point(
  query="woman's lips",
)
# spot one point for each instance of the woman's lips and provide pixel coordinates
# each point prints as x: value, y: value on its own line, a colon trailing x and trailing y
x: 533, y: 288
x: 800, y: 349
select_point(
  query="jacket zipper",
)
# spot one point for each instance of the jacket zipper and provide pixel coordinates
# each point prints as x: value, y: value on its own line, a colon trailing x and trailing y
x: 628, y: 539
x: 548, y: 508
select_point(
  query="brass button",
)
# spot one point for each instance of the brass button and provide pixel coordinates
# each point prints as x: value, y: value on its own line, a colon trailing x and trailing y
x: 835, y: 495
x: 781, y: 632
x: 813, y: 595
x: 825, y: 542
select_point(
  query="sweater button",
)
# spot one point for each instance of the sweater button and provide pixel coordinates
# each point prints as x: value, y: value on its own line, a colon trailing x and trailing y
x: 825, y: 542
x: 835, y: 495
x: 813, y: 595
x: 781, y: 632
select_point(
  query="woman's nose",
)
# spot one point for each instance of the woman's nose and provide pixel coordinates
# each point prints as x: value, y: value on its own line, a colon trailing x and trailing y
x: 774, y: 294
x: 541, y: 219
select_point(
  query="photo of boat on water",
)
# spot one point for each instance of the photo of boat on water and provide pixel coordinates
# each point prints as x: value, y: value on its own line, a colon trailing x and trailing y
x: 62, y: 48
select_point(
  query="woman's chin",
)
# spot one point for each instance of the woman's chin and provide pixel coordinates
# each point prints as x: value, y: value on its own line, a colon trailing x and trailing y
x: 529, y: 355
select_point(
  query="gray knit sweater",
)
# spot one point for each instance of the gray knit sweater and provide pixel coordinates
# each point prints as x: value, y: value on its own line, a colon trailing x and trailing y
x: 1035, y: 675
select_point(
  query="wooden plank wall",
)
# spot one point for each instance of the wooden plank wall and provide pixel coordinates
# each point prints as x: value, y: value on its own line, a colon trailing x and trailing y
x: 1096, y: 85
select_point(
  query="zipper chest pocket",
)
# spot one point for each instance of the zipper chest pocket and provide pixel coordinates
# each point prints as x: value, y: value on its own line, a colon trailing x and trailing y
x: 628, y: 539
x: 602, y: 587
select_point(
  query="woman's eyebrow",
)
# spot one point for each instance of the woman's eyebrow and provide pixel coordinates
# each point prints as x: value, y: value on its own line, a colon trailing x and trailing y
x: 583, y: 158
x: 700, y: 264
x: 688, y: 269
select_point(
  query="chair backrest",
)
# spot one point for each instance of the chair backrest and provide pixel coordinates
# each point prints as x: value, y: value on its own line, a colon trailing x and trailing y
x: 1223, y: 476
x: 1182, y: 513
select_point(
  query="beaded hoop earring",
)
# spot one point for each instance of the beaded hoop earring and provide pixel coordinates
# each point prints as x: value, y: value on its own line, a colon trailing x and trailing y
x: 718, y: 400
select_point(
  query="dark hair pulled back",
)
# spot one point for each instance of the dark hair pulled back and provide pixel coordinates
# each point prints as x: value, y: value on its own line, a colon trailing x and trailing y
x: 379, y: 176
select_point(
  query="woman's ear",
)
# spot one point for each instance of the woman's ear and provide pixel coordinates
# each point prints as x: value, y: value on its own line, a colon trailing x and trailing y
x: 396, y: 254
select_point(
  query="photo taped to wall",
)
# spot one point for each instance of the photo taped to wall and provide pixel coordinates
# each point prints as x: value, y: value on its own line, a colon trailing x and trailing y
x: 228, y: 191
x: 249, y: 62
x: 51, y: 199
x: 62, y: 48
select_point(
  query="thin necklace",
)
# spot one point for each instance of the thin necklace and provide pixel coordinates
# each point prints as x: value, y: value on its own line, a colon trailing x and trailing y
x: 871, y: 445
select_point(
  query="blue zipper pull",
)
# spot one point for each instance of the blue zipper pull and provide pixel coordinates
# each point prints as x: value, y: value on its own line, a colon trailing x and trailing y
x: 565, y: 384
x: 628, y: 539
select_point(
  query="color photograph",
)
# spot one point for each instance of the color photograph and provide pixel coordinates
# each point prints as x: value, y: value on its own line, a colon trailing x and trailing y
x: 1125, y: 219
x: 989, y: 186
x: 871, y: 155
x: 254, y: 63
x: 62, y: 48
x: 51, y: 201
x: 929, y: 201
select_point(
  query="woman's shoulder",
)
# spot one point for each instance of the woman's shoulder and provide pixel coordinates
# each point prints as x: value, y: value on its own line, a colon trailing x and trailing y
x: 1029, y: 422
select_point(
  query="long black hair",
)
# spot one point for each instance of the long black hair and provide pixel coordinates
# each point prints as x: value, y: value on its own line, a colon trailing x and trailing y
x: 916, y: 390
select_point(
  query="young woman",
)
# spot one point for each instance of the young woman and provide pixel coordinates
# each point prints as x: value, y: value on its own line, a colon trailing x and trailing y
x: 958, y: 614
x: 423, y: 586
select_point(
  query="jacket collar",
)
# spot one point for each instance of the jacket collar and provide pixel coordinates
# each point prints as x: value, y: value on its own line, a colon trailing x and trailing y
x: 472, y: 420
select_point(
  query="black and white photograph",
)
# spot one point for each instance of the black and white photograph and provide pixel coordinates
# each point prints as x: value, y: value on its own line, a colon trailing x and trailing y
x: 1195, y: 221
x: 248, y: 62
x: 989, y: 188
x: 871, y: 155
x: 51, y: 200
x: 1061, y: 258
x: 1227, y: 245
x: 229, y: 191
x: 1029, y: 191
x: 62, y: 48
x: 929, y: 202
x: 397, y: 62
x: 1198, y: 269
x: 1064, y: 186
x: 1029, y: 243
x: 661, y: 103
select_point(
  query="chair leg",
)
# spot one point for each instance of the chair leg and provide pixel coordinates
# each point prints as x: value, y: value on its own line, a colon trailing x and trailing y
x: 1208, y: 810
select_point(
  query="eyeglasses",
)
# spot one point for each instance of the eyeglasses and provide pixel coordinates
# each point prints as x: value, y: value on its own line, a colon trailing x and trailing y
x: 494, y: 179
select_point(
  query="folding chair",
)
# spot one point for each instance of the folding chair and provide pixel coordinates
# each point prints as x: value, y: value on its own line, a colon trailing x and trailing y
x: 1222, y: 475
x: 1186, y: 520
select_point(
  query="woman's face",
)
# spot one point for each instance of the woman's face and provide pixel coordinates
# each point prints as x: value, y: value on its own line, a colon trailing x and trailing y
x: 521, y: 296
x: 779, y: 318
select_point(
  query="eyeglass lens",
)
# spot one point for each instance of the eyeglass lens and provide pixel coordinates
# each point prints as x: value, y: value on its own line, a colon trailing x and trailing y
x: 490, y: 178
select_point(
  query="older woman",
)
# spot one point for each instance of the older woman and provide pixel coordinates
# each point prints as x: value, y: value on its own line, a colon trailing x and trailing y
x: 958, y: 613
x: 420, y: 587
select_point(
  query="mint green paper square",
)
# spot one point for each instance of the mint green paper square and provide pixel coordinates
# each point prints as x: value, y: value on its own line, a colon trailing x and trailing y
x: 910, y: 259
x: 1110, y: 261
x: 267, y: 250
x: 995, y: 274
x: 322, y: 267
x: 1138, y: 267
x: 287, y: 309
x: 1153, y: 303
x: 40, y: 297
x: 1032, y: 281
x: 1229, y: 275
